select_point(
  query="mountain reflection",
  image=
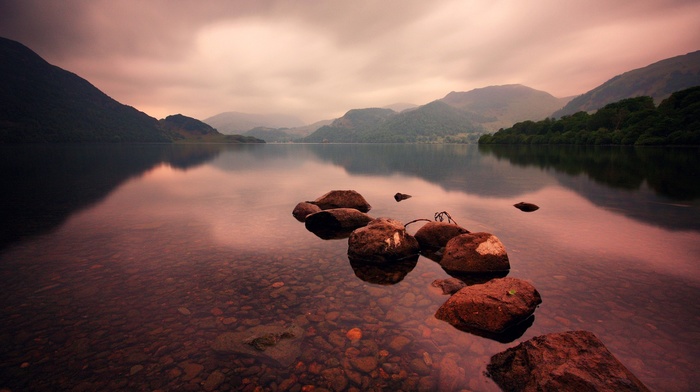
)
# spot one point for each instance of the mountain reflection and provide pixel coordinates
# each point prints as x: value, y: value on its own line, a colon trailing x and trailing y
x: 660, y: 184
x: 44, y: 184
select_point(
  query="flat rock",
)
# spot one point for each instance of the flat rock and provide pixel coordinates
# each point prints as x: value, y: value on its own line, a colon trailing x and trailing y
x: 342, y: 199
x: 382, y: 240
x: 435, y: 235
x: 566, y: 361
x: 282, y: 345
x: 494, y: 306
x: 475, y: 253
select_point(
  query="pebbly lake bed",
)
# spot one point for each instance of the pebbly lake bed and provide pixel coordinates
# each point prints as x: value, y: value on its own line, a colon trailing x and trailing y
x: 121, y: 265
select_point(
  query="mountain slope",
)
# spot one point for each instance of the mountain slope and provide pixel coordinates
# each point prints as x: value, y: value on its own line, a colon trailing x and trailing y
x: 657, y: 80
x: 40, y: 102
x: 236, y: 122
x: 433, y: 122
x: 187, y: 130
x: 505, y: 105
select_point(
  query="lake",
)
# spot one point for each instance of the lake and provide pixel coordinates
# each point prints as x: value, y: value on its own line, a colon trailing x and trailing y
x: 122, y: 264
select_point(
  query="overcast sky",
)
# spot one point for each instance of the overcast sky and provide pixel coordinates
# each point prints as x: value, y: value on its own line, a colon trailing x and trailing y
x: 318, y: 59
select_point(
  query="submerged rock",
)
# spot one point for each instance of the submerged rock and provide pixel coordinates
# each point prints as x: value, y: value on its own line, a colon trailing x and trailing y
x: 382, y: 240
x: 281, y: 345
x: 475, y: 253
x: 494, y: 306
x: 303, y: 209
x: 342, y: 199
x: 436, y: 235
x: 336, y: 223
x: 449, y: 285
x: 526, y: 207
x: 566, y: 361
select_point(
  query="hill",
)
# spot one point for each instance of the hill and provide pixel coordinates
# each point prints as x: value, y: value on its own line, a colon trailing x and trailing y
x: 187, y: 129
x: 505, y: 105
x: 40, y: 102
x: 657, y: 80
x: 237, y: 122
x: 431, y: 123
x: 631, y: 121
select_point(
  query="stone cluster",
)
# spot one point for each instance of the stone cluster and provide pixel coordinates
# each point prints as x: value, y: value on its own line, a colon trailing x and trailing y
x: 482, y: 300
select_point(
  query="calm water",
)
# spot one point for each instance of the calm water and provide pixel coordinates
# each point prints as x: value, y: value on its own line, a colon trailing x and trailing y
x: 121, y: 265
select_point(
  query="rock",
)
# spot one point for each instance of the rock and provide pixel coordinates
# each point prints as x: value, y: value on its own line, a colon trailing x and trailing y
x: 450, y: 377
x: 493, y: 307
x: 401, y: 196
x: 566, y: 361
x: 398, y: 343
x: 475, y: 253
x: 213, y: 381
x: 279, y: 344
x: 435, y: 235
x: 526, y: 207
x: 336, y: 378
x: 336, y: 223
x: 303, y: 209
x: 354, y: 334
x: 382, y: 240
x: 449, y: 285
x: 342, y: 199
x: 364, y: 364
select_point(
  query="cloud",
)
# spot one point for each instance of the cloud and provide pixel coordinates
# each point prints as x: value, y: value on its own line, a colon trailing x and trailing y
x: 319, y: 60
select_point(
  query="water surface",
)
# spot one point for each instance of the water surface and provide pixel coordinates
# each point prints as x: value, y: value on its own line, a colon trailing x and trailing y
x: 122, y: 264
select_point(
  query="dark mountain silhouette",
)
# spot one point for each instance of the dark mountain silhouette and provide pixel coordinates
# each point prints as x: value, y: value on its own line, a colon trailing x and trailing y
x: 237, y: 122
x: 505, y: 105
x: 40, y: 102
x: 188, y: 129
x: 657, y: 80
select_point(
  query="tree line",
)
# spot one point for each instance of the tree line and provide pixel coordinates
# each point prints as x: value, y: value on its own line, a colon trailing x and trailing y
x: 631, y: 121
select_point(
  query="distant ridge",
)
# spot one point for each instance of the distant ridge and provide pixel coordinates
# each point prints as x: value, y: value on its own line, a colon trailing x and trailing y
x: 40, y: 102
x: 237, y: 122
x: 657, y: 80
x: 505, y: 105
x: 435, y: 122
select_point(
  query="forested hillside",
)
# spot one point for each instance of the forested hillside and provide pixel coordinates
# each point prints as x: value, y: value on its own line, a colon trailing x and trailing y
x: 632, y: 121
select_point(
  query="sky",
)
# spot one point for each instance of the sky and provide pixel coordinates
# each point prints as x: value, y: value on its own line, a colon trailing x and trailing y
x: 317, y: 59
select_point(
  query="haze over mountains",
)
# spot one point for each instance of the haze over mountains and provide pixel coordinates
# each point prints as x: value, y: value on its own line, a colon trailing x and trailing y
x: 40, y: 102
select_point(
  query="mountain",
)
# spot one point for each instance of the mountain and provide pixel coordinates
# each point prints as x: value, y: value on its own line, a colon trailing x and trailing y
x: 40, y: 102
x: 433, y: 122
x: 236, y: 122
x: 505, y: 105
x: 657, y: 80
x: 401, y: 106
x: 188, y: 129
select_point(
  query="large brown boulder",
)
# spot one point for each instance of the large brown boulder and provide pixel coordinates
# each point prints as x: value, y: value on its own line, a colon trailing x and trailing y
x: 336, y: 223
x: 435, y: 235
x: 304, y: 209
x: 493, y: 307
x: 566, y: 361
x: 475, y: 253
x: 382, y: 240
x: 342, y: 199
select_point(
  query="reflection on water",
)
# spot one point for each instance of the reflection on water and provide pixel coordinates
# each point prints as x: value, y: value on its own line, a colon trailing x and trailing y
x: 156, y: 251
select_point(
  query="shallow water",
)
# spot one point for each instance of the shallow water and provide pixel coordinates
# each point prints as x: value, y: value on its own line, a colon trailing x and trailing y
x: 121, y: 265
